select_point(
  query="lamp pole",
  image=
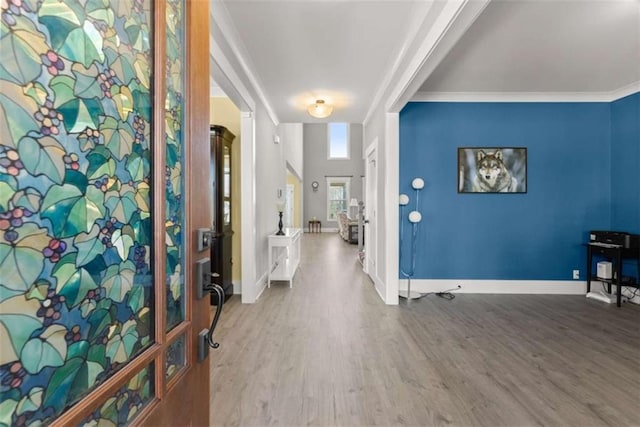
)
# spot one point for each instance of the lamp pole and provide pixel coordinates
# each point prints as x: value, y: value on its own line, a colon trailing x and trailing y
x: 414, y: 218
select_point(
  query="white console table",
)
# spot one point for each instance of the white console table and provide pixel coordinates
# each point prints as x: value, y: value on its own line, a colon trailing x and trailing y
x: 288, y: 258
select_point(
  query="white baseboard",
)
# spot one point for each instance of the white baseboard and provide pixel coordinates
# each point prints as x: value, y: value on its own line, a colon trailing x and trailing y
x: 378, y: 286
x: 556, y: 287
x: 378, y: 291
x: 324, y: 230
x: 237, y: 287
x: 261, y: 284
x: 626, y: 291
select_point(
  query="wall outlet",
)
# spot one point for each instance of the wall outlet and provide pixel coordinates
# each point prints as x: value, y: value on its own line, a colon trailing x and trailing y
x: 576, y: 274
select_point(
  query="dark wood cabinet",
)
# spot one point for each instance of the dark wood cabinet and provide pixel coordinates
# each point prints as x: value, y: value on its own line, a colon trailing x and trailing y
x: 221, y: 261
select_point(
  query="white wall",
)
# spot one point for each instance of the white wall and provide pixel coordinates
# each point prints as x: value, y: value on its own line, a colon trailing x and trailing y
x: 376, y: 128
x: 318, y: 167
x: 263, y: 164
x: 268, y: 159
x: 291, y: 140
x: 269, y: 175
x: 435, y: 31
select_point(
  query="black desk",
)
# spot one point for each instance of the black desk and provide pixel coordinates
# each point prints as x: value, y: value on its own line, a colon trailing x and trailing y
x: 616, y: 254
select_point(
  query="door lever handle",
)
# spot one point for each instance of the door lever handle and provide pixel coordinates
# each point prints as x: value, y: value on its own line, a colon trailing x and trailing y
x: 217, y: 289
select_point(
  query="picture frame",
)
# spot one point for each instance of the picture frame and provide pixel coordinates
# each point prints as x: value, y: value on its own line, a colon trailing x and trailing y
x: 492, y: 170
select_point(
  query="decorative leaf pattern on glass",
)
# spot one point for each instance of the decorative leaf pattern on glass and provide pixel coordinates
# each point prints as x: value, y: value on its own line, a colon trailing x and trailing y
x: 175, y: 357
x: 122, y: 408
x: 75, y: 220
x: 174, y: 177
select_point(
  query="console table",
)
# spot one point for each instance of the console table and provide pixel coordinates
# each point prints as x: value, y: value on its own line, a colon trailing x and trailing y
x: 616, y: 254
x: 315, y: 226
x: 288, y: 257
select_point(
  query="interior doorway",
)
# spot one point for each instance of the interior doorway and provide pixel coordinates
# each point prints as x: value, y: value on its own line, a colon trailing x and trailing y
x: 221, y: 143
x: 229, y: 85
x: 293, y: 200
x: 225, y: 114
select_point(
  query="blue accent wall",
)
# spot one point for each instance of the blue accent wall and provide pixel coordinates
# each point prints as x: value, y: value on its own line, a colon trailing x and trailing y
x: 625, y: 164
x: 532, y: 236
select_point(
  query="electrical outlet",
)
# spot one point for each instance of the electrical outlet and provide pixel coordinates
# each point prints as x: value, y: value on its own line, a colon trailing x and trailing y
x: 576, y: 274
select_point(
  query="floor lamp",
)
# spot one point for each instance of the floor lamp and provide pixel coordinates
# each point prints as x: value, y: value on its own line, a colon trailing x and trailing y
x: 415, y: 217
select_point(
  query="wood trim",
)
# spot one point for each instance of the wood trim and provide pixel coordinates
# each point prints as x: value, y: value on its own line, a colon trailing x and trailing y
x: 159, y: 196
x: 199, y: 206
x: 144, y: 413
x: 183, y: 329
x: 187, y: 401
x: 92, y: 401
x: 155, y: 353
x: 178, y: 330
x: 196, y: 131
x: 175, y: 380
x: 189, y: 249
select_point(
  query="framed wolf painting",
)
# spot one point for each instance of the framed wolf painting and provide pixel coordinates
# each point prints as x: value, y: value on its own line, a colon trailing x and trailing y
x: 492, y: 170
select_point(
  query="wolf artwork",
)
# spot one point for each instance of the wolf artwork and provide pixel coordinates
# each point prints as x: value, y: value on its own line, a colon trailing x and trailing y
x: 492, y: 170
x: 492, y: 176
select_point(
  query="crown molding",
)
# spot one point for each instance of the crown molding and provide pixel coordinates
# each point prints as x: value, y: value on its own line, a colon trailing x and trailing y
x: 226, y: 77
x: 223, y: 19
x: 216, y: 92
x: 412, y: 34
x: 454, y: 20
x: 527, y: 96
x: 626, y: 90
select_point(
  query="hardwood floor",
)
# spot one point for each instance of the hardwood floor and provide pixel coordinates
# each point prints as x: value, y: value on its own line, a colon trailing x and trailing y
x: 329, y: 353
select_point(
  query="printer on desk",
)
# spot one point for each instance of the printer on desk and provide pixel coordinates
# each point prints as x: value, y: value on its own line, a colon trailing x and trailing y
x: 617, y: 238
x: 616, y: 246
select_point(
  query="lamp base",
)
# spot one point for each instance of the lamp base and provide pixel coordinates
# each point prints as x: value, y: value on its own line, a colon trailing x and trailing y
x: 410, y: 295
x: 280, y: 232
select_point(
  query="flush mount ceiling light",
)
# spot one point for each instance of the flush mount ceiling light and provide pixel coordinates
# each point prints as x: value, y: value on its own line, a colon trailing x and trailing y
x: 320, y: 109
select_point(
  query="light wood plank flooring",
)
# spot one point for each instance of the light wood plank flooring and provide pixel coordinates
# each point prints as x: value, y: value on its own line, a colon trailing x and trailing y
x: 329, y: 353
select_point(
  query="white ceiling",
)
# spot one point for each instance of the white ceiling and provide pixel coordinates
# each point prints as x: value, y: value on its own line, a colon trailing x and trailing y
x: 342, y: 50
x: 336, y: 50
x: 545, y: 46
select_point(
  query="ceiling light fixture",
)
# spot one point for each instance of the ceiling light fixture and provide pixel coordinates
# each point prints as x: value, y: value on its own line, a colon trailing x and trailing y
x: 320, y: 109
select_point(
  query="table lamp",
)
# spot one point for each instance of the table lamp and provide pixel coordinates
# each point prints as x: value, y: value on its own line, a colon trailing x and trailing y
x: 280, y: 207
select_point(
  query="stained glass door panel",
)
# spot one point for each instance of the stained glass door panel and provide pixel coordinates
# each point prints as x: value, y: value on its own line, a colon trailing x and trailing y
x: 79, y: 291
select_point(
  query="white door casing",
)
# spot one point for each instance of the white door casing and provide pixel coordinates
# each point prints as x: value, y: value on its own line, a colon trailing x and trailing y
x: 371, y: 204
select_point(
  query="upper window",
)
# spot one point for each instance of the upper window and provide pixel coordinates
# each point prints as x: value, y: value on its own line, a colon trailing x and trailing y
x: 338, y: 140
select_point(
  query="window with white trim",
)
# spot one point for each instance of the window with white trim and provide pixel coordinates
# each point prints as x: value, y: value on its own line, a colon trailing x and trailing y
x: 337, y: 196
x: 338, y: 141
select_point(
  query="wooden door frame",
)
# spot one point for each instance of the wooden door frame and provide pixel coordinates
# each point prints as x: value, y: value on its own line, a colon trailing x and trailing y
x: 193, y: 379
x: 193, y: 382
